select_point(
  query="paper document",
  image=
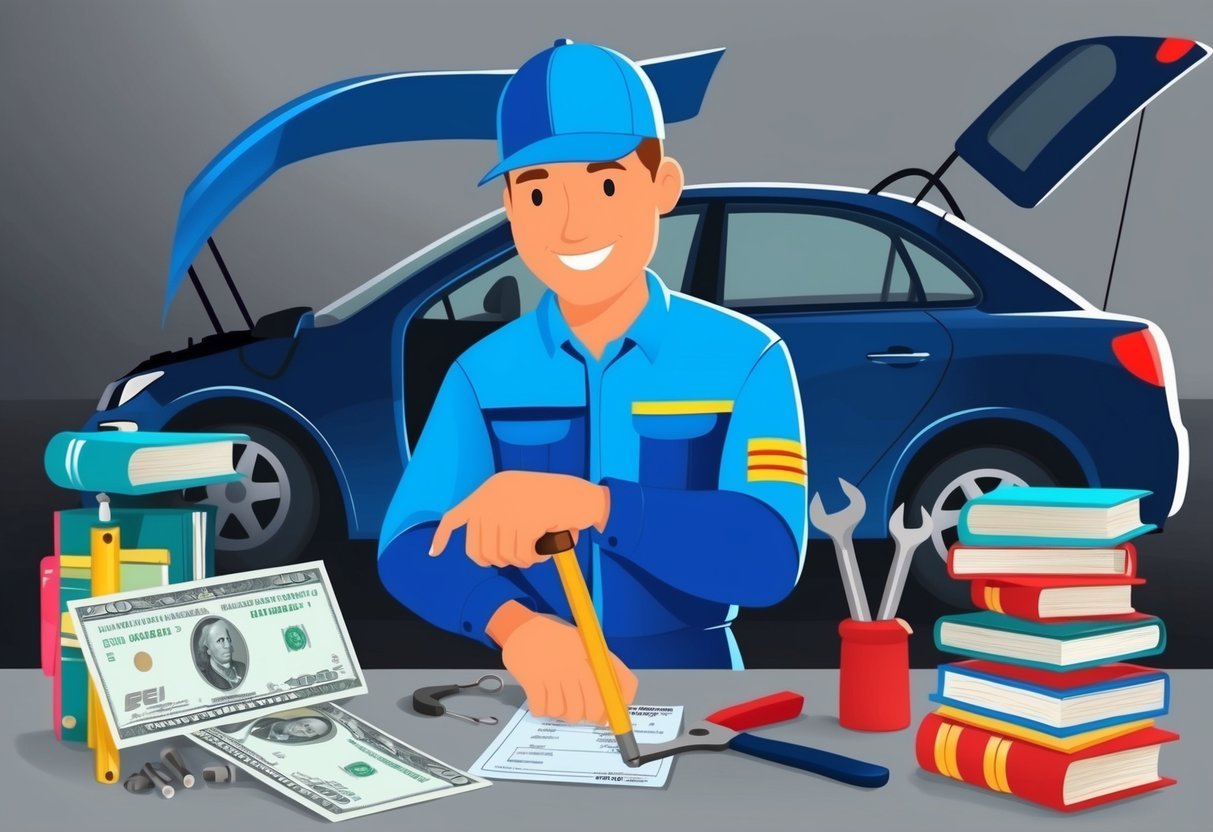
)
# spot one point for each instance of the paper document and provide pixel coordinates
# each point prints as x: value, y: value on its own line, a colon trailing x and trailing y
x: 549, y: 750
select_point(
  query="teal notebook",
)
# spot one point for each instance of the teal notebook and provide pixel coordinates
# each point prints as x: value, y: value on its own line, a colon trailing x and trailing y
x: 72, y: 702
x: 187, y: 533
x: 1066, y: 645
x: 1030, y: 534
x: 139, y: 462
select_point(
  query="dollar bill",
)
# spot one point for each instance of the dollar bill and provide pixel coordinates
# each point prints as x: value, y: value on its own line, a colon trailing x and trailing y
x: 333, y: 762
x: 169, y: 660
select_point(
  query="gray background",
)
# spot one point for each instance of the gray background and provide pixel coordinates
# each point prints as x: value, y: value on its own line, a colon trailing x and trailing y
x: 109, y: 110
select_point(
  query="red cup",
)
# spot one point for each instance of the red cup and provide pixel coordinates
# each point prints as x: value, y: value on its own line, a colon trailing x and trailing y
x: 874, y: 677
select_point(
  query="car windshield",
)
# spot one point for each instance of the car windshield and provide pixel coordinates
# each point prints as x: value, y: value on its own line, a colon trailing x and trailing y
x: 389, y: 279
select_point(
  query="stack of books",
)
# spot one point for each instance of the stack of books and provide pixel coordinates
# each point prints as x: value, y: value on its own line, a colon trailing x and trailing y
x: 1047, y: 706
x: 160, y: 546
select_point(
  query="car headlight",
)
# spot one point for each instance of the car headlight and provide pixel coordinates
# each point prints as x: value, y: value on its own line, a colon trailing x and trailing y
x: 120, y: 392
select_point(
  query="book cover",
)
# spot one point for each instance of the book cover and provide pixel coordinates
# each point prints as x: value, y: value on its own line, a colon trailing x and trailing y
x: 1060, y: 687
x: 1050, y: 498
x: 1066, y: 745
x: 106, y: 461
x: 175, y: 529
x: 993, y: 624
x: 70, y: 717
x: 1070, y: 562
x: 1031, y: 772
x: 1021, y: 596
x: 48, y: 613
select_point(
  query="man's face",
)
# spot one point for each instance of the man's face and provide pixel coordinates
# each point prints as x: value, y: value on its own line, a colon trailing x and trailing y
x: 219, y: 643
x: 306, y: 727
x: 588, y: 230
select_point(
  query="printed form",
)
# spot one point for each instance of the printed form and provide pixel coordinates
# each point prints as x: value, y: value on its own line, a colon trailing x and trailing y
x: 549, y: 750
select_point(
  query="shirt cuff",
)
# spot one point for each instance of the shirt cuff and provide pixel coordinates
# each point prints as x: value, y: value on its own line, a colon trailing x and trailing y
x: 626, y: 519
x: 485, y: 599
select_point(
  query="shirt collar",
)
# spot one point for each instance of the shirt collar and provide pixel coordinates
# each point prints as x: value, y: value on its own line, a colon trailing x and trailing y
x: 646, y: 331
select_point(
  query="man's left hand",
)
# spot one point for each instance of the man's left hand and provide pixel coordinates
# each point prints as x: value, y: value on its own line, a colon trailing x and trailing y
x: 511, y: 510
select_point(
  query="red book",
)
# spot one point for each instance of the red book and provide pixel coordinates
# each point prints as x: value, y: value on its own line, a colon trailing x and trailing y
x: 1050, y: 598
x: 1002, y: 562
x: 1111, y: 770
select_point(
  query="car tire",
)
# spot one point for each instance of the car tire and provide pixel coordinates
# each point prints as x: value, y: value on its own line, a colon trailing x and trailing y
x: 267, y: 518
x: 944, y: 490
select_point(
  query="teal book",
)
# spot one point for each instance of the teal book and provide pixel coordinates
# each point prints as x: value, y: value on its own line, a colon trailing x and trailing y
x: 188, y: 536
x: 187, y: 533
x: 140, y: 462
x: 1065, y: 645
x: 1033, y: 516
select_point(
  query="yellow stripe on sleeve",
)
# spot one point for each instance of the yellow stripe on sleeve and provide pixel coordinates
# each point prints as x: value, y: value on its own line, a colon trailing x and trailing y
x: 765, y: 444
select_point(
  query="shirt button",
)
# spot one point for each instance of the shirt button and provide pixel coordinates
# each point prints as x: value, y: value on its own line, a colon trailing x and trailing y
x: 612, y: 541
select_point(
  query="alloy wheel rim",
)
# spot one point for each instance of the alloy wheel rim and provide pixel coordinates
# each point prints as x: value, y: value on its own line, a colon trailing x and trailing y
x: 235, y: 506
x: 945, y: 515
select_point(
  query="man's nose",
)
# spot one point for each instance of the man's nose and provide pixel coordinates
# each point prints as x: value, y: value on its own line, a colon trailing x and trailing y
x: 576, y: 225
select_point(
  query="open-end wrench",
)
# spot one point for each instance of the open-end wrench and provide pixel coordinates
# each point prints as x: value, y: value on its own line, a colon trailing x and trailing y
x: 907, y: 540
x: 840, y: 526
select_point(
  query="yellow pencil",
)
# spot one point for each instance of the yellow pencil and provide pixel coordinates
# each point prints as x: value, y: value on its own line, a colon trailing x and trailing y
x: 560, y: 546
x: 105, y: 568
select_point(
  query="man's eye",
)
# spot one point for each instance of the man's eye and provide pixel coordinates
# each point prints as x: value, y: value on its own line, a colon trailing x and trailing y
x: 608, y: 187
x: 537, y: 196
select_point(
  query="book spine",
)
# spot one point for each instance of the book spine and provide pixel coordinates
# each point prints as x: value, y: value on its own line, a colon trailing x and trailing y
x: 1130, y: 568
x: 48, y: 613
x: 73, y: 696
x: 72, y: 461
x: 1018, y: 601
x: 991, y: 761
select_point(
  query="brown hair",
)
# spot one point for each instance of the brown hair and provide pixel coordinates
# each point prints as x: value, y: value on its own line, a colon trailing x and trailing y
x: 650, y: 153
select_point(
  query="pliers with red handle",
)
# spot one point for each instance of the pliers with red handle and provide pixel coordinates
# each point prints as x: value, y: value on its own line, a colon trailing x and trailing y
x: 724, y: 729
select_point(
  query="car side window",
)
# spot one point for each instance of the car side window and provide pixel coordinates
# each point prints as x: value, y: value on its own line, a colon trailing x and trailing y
x: 510, y: 289
x: 797, y: 258
x: 940, y: 283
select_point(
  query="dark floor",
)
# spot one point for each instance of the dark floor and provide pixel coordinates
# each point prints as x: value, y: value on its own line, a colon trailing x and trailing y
x: 799, y: 632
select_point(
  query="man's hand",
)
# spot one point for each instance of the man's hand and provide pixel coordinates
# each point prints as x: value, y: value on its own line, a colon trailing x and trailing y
x: 511, y: 510
x: 547, y: 658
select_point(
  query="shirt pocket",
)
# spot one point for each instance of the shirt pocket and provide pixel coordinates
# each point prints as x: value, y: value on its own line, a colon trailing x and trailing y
x: 546, y: 440
x: 680, y: 450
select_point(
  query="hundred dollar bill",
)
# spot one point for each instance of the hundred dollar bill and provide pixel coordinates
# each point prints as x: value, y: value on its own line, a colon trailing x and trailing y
x: 172, y: 659
x: 334, y: 763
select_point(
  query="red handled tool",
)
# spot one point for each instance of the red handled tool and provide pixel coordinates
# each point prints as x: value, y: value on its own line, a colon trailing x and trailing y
x: 725, y: 729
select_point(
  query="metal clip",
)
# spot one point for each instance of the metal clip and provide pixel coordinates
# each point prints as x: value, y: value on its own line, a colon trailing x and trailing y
x: 425, y: 700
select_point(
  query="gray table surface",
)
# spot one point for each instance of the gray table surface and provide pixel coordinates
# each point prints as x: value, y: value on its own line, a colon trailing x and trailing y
x: 49, y: 785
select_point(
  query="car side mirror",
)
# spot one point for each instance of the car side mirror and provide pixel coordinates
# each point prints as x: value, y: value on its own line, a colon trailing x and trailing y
x: 284, y: 323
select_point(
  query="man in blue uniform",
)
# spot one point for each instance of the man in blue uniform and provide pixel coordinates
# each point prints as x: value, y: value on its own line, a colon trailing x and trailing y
x: 665, y: 432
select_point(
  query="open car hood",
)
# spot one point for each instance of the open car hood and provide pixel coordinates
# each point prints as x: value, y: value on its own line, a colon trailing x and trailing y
x: 374, y: 109
x: 1061, y: 110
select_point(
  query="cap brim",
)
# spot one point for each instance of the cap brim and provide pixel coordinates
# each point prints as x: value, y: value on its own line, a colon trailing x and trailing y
x: 574, y: 147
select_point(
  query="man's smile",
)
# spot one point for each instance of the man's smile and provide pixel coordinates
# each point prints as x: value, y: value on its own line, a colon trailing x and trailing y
x: 587, y: 261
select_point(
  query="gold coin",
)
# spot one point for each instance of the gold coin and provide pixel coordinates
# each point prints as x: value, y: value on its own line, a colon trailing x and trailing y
x: 143, y: 661
x: 69, y: 722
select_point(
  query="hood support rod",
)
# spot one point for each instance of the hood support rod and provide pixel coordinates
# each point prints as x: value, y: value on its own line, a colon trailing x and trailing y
x: 1123, y: 208
x: 231, y: 284
x: 206, y: 302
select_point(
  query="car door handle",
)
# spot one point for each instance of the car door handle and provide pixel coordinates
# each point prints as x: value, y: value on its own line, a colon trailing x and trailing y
x: 898, y: 359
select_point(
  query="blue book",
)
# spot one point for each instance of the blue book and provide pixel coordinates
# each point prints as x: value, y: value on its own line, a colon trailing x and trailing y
x: 140, y: 462
x: 1029, y: 516
x: 1058, y: 704
x: 1064, y: 645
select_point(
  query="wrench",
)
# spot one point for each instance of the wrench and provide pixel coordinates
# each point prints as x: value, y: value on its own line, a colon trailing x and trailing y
x: 907, y: 540
x: 840, y: 526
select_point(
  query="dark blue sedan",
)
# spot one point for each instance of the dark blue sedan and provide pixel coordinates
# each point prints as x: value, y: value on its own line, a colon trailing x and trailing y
x: 934, y: 363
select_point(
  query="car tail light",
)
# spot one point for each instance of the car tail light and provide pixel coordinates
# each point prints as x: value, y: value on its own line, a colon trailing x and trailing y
x: 1172, y: 49
x: 1139, y: 355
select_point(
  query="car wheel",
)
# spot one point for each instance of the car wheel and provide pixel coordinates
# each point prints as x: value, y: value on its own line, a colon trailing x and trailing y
x: 266, y: 518
x: 944, y: 490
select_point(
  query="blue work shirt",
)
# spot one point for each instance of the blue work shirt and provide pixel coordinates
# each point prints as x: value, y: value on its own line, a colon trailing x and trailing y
x: 692, y: 420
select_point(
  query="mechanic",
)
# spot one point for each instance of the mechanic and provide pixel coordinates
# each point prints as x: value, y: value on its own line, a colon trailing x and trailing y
x: 664, y: 432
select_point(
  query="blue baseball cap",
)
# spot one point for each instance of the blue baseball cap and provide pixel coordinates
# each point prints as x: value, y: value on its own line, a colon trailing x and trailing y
x: 574, y: 102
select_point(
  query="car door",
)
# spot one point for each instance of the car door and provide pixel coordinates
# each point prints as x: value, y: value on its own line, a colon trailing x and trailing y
x: 835, y: 286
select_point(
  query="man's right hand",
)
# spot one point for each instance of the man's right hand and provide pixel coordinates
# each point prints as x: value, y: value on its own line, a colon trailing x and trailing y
x: 548, y: 659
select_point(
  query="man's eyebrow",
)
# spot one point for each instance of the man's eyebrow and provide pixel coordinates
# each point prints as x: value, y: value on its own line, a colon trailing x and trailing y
x: 597, y: 166
x: 533, y: 173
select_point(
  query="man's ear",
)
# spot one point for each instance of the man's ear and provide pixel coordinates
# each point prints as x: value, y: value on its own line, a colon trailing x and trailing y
x: 508, y: 201
x: 669, y: 181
